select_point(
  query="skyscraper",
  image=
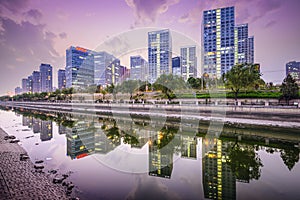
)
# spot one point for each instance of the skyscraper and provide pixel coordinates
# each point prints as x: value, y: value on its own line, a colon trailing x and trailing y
x: 176, y: 66
x: 61, y: 79
x: 293, y: 68
x: 159, y: 53
x: 245, y: 44
x: 101, y: 60
x: 25, y: 85
x: 79, y: 68
x: 138, y: 68
x: 112, y: 72
x: 46, y: 77
x: 188, y: 62
x: 30, y: 84
x: 219, y: 40
x: 36, y: 81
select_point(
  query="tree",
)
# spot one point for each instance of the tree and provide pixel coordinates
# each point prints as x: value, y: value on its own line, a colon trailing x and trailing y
x: 290, y: 157
x: 289, y: 89
x: 241, y: 76
x: 129, y: 86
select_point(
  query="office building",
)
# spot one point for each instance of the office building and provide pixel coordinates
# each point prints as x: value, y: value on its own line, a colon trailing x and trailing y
x: 138, y: 68
x: 46, y: 77
x: 25, y: 85
x: 293, y: 68
x: 30, y: 84
x: 101, y: 61
x: 79, y: 68
x: 61, y: 75
x: 245, y: 44
x: 46, y: 130
x: 124, y: 73
x: 112, y: 72
x: 219, y: 39
x: 36, y: 81
x: 188, y: 62
x: 176, y: 66
x: 159, y: 54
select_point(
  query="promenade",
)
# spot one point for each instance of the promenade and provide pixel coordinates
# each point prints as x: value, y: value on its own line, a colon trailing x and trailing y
x: 18, y: 177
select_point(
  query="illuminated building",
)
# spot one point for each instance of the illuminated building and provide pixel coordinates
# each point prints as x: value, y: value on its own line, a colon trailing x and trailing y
x: 159, y: 54
x: 30, y: 83
x: 218, y: 178
x: 176, y: 66
x: 79, y: 67
x: 46, y: 77
x: 293, y: 68
x: 61, y: 75
x: 219, y: 39
x: 189, y: 147
x: 36, y: 125
x: 124, y: 73
x: 245, y: 44
x: 46, y: 130
x: 101, y: 61
x: 27, y: 121
x: 25, y: 85
x: 36, y: 81
x: 188, y: 62
x: 138, y: 68
x: 112, y: 73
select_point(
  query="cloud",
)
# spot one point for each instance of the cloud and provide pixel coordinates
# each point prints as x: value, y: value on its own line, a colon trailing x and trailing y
x: 14, y: 6
x: 147, y: 11
x: 34, y: 14
x: 270, y: 24
x: 63, y: 35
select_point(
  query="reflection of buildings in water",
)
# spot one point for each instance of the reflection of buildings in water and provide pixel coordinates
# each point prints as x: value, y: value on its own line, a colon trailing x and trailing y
x: 46, y: 130
x: 36, y: 125
x: 160, y: 159
x: 218, y: 178
x: 27, y: 121
x: 188, y: 147
x: 62, y: 130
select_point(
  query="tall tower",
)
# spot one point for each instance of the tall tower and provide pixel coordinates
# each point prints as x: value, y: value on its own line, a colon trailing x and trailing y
x: 159, y: 54
x: 245, y: 44
x: 188, y: 62
x: 46, y: 77
x: 219, y: 41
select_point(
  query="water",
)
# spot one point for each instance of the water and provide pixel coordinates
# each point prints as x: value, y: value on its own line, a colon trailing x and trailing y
x: 113, y: 158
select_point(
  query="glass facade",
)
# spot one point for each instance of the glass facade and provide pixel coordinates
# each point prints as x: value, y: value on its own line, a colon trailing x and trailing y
x: 188, y: 62
x: 219, y: 41
x: 245, y: 44
x: 176, y: 66
x: 102, y: 60
x: 138, y: 68
x: 112, y: 73
x: 36, y: 81
x: 61, y: 79
x: 79, y: 68
x: 159, y: 54
x: 46, y: 77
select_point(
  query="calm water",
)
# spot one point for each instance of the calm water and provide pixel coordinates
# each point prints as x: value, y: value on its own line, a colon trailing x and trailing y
x: 115, y: 158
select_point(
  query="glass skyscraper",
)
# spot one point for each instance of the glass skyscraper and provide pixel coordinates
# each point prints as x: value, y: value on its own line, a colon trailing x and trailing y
x: 46, y: 77
x: 112, y: 72
x: 245, y: 45
x: 61, y: 79
x: 188, y: 62
x: 219, y: 40
x: 36, y: 81
x: 159, y: 54
x: 176, y: 66
x: 79, y: 68
x: 102, y: 60
x: 138, y: 68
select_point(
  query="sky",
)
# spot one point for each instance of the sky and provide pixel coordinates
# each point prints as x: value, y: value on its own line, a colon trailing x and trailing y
x: 39, y: 31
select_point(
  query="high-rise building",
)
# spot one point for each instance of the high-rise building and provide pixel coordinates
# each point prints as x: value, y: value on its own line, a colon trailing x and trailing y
x: 30, y: 84
x: 18, y: 90
x: 46, y: 130
x: 112, y: 72
x: 61, y: 75
x: 79, y: 68
x: 188, y: 62
x: 219, y: 39
x: 138, y: 68
x: 124, y: 73
x: 101, y: 60
x: 25, y: 85
x: 176, y: 66
x: 293, y: 68
x: 159, y: 54
x: 46, y: 77
x: 36, y: 81
x: 245, y: 44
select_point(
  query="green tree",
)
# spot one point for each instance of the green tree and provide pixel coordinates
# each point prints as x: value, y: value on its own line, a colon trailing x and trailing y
x: 290, y: 157
x: 241, y: 76
x: 289, y: 89
x: 129, y: 86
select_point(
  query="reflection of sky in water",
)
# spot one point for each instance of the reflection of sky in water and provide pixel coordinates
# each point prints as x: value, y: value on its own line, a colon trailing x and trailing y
x: 96, y: 180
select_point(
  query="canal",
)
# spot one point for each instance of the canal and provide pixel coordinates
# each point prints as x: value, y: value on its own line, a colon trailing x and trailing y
x: 110, y: 157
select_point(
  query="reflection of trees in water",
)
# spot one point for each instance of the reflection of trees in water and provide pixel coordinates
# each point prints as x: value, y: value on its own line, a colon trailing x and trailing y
x: 244, y: 162
x: 290, y: 156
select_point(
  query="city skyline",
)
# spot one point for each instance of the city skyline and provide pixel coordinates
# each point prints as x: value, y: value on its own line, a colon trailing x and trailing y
x: 273, y: 23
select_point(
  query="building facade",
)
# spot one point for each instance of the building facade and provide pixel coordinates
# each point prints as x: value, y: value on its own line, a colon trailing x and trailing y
x: 159, y: 54
x: 25, y: 85
x: 18, y: 90
x: 245, y: 45
x: 219, y: 38
x: 79, y: 67
x: 188, y: 62
x: 176, y: 66
x: 61, y: 75
x: 46, y: 77
x: 138, y: 68
x: 102, y: 60
x: 36, y: 81
x: 112, y: 73
x: 293, y: 68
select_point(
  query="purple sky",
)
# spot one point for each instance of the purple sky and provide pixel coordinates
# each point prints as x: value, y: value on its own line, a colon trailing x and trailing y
x: 35, y: 31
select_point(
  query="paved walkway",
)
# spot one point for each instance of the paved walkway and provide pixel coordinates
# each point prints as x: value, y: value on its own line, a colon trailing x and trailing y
x: 19, y: 179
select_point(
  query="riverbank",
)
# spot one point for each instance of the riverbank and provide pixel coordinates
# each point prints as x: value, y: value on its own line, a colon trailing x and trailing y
x: 20, y: 178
